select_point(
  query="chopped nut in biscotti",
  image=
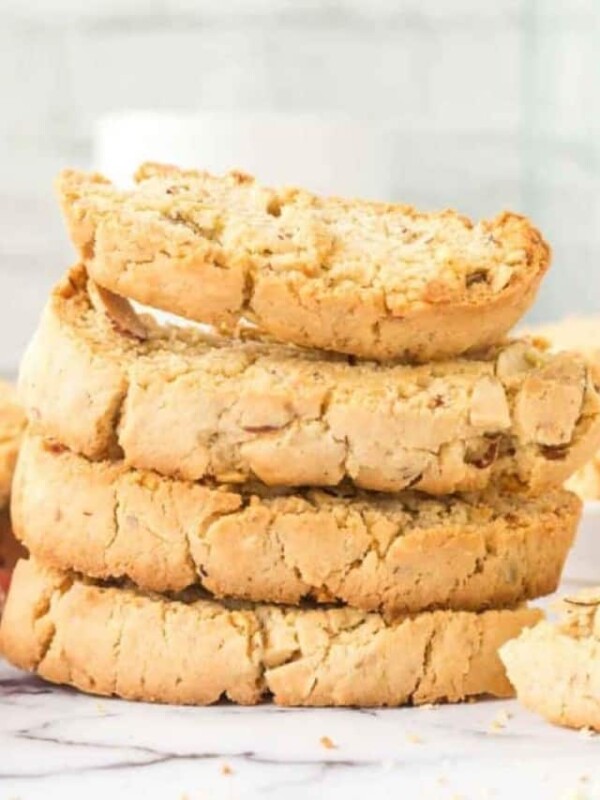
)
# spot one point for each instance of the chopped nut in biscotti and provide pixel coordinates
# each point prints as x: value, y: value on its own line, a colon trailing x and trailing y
x: 483, y: 453
x: 489, y: 406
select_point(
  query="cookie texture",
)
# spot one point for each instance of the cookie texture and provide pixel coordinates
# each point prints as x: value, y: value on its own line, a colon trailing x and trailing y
x: 117, y: 641
x: 581, y: 335
x: 555, y: 668
x: 370, y: 279
x: 108, y: 383
x: 400, y: 553
x: 12, y: 425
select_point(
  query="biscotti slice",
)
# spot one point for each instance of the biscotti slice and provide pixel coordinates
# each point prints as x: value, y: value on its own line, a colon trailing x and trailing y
x: 374, y: 280
x: 393, y: 553
x: 107, y: 383
x: 117, y: 641
x: 582, y: 335
x: 555, y: 668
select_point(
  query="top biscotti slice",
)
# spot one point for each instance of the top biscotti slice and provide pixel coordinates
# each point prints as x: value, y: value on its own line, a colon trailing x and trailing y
x: 107, y: 383
x: 374, y: 280
x: 555, y: 668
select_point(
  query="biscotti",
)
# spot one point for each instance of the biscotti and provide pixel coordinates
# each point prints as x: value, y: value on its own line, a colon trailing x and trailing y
x: 117, y: 641
x: 555, y: 668
x: 582, y: 335
x: 369, y: 279
x: 392, y: 553
x: 12, y: 425
x: 108, y: 383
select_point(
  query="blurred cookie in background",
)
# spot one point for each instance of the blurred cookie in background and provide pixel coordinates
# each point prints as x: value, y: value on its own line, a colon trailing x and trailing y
x: 12, y: 425
x: 581, y: 334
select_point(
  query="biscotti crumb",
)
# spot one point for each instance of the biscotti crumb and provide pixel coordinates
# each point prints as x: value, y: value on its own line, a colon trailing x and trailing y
x: 226, y: 769
x: 101, y: 709
x: 414, y: 738
x: 500, y: 721
x: 327, y: 743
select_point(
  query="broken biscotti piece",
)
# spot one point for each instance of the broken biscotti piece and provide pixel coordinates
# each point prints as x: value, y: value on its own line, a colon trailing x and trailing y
x: 374, y: 280
x: 582, y: 335
x: 187, y: 649
x: 555, y: 668
x: 391, y: 553
x: 108, y: 383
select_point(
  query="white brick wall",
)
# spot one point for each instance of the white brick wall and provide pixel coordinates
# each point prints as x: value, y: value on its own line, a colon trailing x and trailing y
x: 492, y: 104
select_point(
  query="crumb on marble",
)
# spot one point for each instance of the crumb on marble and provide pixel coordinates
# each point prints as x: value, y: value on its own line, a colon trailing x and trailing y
x: 226, y: 769
x: 327, y: 743
x: 500, y: 722
x: 414, y: 738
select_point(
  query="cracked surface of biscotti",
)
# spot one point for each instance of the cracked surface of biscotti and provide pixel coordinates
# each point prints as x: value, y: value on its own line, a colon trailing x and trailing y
x: 392, y: 553
x: 117, y: 641
x: 582, y: 335
x: 108, y: 383
x: 373, y: 280
x: 555, y: 668
x: 12, y: 425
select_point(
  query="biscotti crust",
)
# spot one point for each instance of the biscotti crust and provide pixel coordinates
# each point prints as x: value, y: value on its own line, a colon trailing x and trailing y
x: 394, y: 554
x: 116, y: 641
x: 555, y: 668
x: 373, y: 280
x: 12, y: 425
x: 184, y: 404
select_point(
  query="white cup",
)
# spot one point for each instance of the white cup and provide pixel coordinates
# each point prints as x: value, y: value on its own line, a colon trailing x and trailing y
x: 327, y: 154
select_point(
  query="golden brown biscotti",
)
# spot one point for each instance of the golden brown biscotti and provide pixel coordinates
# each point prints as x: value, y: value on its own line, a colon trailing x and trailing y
x: 555, y: 668
x: 582, y: 335
x: 12, y: 425
x: 107, y: 383
x: 374, y: 280
x: 393, y: 553
x: 192, y: 650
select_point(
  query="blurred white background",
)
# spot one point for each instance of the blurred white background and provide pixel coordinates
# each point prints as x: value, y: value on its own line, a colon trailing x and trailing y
x: 488, y: 105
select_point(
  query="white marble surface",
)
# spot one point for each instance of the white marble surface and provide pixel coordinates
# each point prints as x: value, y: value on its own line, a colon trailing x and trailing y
x: 55, y: 742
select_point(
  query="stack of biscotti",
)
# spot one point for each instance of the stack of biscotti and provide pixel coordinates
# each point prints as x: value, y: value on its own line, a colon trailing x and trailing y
x: 343, y: 494
x: 12, y: 424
